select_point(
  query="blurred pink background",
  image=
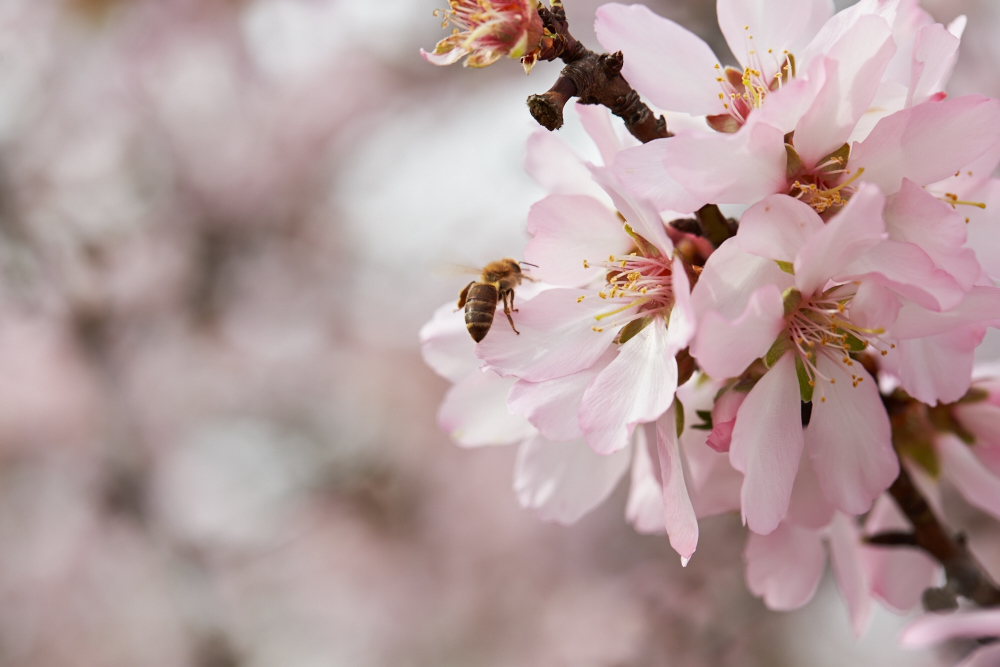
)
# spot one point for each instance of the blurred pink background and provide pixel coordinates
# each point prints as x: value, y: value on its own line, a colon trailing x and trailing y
x: 219, y: 227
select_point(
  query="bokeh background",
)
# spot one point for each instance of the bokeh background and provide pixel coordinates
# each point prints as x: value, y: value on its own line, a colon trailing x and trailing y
x: 219, y: 227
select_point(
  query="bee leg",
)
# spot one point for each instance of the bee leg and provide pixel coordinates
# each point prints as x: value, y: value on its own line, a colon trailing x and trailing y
x: 506, y: 310
x: 512, y: 308
x: 463, y: 295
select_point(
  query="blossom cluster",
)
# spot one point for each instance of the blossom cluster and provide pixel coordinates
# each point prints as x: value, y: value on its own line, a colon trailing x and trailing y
x: 788, y: 373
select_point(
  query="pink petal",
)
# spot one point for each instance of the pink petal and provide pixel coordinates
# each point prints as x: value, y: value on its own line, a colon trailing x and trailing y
x: 777, y: 227
x: 982, y: 419
x: 978, y: 486
x: 984, y: 228
x: 808, y: 507
x: 928, y: 142
x: 853, y: 70
x: 558, y: 169
x: 910, y: 272
x: 767, y: 444
x: 980, y: 306
x: 841, y: 24
x: 724, y: 349
x: 638, y: 212
x: 667, y: 63
x: 724, y: 418
x: 873, y: 306
x: 682, y: 322
x: 448, y: 58
x: 644, y: 509
x: 731, y: 277
x: 913, y: 215
x: 849, y: 571
x: 740, y: 168
x: 935, y: 51
x: 898, y: 575
x: 474, y: 412
x: 446, y: 345
x: 849, y: 438
x: 637, y: 387
x: 935, y: 628
x: 775, y: 26
x: 829, y: 251
x: 563, y: 481
x: 596, y: 120
x: 642, y: 171
x: 568, y: 229
x: 552, y: 405
x: 679, y: 518
x: 936, y: 368
x: 785, y: 567
x: 557, y: 336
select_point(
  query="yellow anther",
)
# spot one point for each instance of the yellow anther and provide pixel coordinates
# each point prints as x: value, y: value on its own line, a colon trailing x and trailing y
x: 580, y: 298
x: 597, y: 329
x: 585, y: 265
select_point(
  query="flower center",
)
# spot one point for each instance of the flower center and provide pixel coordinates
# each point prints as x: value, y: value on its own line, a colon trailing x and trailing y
x: 821, y: 325
x: 816, y: 188
x: 742, y: 92
x: 643, y: 284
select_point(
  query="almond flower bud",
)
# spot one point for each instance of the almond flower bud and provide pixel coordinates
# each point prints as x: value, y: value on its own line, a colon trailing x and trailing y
x: 488, y: 30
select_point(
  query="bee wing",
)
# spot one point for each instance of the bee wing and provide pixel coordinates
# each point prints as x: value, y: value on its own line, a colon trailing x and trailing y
x: 451, y: 270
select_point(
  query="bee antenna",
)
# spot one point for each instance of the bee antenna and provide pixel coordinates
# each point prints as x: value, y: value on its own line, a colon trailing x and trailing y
x: 528, y: 264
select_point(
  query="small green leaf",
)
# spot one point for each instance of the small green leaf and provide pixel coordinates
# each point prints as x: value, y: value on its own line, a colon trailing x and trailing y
x: 787, y: 267
x: 706, y: 420
x: 779, y: 348
x: 805, y: 382
x: 837, y: 159
x: 632, y: 328
x: 679, y: 416
x: 793, y: 165
x: 791, y: 298
x: 974, y: 395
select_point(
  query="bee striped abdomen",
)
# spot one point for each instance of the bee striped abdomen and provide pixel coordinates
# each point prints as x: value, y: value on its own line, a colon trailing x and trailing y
x: 480, y: 307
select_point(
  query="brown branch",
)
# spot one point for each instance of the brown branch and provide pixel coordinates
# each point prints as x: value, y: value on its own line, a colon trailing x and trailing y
x: 593, y: 78
x: 965, y: 575
x: 596, y: 79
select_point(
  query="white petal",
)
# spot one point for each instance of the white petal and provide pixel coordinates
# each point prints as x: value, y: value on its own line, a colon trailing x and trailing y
x: 446, y: 345
x: 637, y: 387
x: 563, y: 481
x: 552, y: 405
x: 474, y: 412
x: 777, y: 228
x: 557, y: 336
x: 680, y: 521
x: 568, y: 229
x: 978, y: 486
x: 664, y: 61
x: 767, y: 26
x: 644, y: 509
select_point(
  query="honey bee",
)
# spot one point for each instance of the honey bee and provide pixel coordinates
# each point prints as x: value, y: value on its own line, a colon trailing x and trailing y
x: 480, y: 297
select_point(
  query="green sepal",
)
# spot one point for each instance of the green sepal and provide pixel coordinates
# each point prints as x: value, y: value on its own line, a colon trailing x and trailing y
x: 724, y: 123
x: 805, y: 389
x: 790, y: 299
x: 793, y: 164
x: 645, y: 247
x: 706, y: 420
x: 780, y: 346
x: 838, y: 157
x: 854, y: 344
x: 787, y: 267
x: 974, y: 395
x: 630, y: 330
x: 679, y: 416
